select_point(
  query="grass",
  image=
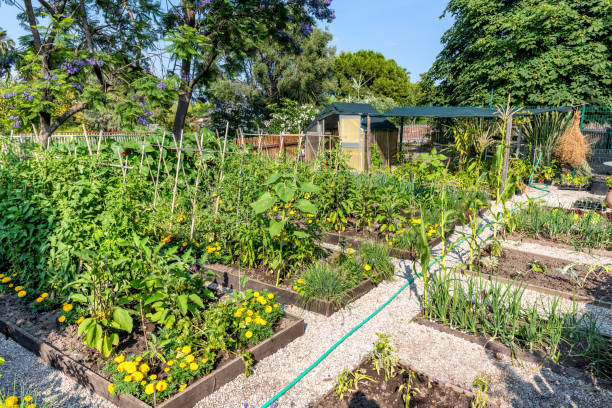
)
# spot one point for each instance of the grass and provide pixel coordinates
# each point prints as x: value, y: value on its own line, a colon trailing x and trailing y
x: 477, y: 306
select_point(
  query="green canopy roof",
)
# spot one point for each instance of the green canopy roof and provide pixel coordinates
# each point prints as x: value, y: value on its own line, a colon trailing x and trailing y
x: 461, y: 111
x: 377, y: 122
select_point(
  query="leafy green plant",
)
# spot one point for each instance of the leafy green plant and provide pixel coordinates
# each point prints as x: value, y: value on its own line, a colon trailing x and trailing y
x: 348, y: 382
x: 482, y: 386
x: 407, y: 390
x: 383, y: 356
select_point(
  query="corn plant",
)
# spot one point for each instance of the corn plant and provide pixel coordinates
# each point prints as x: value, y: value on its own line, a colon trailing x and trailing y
x: 383, y: 356
x: 406, y: 389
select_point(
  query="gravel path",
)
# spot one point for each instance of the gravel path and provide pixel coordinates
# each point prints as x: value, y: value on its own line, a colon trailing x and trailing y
x: 52, y: 385
x: 428, y: 350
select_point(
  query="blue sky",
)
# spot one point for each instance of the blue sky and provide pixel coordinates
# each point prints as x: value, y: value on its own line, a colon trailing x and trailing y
x: 407, y: 31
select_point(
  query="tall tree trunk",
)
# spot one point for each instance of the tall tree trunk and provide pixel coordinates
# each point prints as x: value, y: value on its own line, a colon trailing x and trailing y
x: 44, y: 133
x: 181, y: 113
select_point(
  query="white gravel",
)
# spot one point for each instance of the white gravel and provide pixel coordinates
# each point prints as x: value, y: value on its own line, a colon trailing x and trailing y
x: 435, y: 353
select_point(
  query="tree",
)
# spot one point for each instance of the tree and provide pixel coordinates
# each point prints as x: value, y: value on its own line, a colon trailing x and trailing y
x: 271, y: 76
x: 68, y: 65
x: 543, y: 53
x: 200, y: 32
x: 369, y: 71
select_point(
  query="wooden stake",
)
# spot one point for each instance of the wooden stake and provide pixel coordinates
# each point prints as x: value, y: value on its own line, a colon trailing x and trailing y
x: 158, y: 170
x: 99, y: 144
x: 87, y: 140
x: 178, y: 168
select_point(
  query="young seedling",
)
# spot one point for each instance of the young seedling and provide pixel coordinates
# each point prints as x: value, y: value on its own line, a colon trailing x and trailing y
x: 383, y: 356
x: 407, y: 390
x: 348, y: 382
x: 482, y: 386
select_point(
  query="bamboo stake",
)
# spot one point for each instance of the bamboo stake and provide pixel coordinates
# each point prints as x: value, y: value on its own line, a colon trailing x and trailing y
x: 222, y: 167
x: 99, y: 144
x: 297, y: 156
x: 87, y: 140
x: 178, y: 168
x: 123, y: 170
x: 158, y: 170
x: 195, y: 192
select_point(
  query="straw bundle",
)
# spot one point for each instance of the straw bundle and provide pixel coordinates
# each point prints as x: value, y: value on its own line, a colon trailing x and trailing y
x: 571, y: 149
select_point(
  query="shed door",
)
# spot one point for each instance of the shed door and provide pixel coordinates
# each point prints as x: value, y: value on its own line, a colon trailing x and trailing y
x: 351, y: 138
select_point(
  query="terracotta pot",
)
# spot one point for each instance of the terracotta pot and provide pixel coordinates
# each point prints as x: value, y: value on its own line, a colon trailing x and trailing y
x: 609, y: 198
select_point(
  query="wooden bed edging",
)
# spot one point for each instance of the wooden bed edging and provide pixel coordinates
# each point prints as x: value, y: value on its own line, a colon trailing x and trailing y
x: 498, y: 348
x: 229, y: 277
x: 185, y: 399
x: 537, y: 288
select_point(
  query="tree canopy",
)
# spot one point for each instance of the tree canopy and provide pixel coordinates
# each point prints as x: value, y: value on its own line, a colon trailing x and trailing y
x: 369, y: 72
x: 541, y: 52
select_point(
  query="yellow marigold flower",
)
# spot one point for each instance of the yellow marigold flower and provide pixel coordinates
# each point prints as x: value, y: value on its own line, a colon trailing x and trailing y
x: 144, y: 368
x: 161, y: 386
x: 111, y: 388
x: 44, y: 295
x: 238, y: 314
x: 350, y: 251
x: 143, y: 383
x: 22, y: 293
x: 127, y: 378
x: 61, y: 319
x: 28, y: 398
x: 184, y: 244
x: 32, y: 405
x: 131, y: 367
x: 67, y: 307
x: 80, y: 320
x: 182, y: 387
x: 120, y: 359
x: 182, y: 365
x: 170, y: 378
x: 153, y: 377
x: 248, y: 319
x: 11, y: 401
x: 189, y: 358
x: 270, y: 296
x: 276, y: 305
x: 268, y: 309
x: 170, y: 363
x: 166, y: 369
x: 150, y: 389
x: 6, y: 280
x: 138, y: 359
x: 367, y: 267
x: 1, y: 275
x: 249, y: 313
x: 194, y: 366
x: 18, y: 288
x: 248, y: 334
x: 415, y: 221
x: 186, y: 350
x: 137, y: 376
x: 11, y: 285
x: 295, y: 288
x: 301, y: 281
x: 205, y: 360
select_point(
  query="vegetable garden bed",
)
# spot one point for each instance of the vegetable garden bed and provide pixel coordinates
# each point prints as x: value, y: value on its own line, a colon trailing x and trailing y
x: 571, y: 280
x: 429, y: 392
x: 230, y: 277
x: 54, y: 353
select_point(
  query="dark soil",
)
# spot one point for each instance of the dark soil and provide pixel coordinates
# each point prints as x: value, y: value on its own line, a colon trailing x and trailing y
x: 381, y: 394
x: 515, y: 264
x: 516, y: 236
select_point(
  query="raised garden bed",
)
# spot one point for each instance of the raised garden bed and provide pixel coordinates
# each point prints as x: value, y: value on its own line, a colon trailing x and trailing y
x: 357, y: 239
x: 289, y: 329
x: 557, y: 244
x: 574, y: 367
x: 381, y: 393
x: 591, y: 204
x: 573, y: 187
x: 584, y: 283
x: 230, y: 277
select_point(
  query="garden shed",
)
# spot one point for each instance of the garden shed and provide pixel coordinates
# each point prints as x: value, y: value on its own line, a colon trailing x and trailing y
x: 355, y: 126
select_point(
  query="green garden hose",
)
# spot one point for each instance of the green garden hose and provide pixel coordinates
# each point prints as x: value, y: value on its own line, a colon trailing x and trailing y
x: 410, y: 281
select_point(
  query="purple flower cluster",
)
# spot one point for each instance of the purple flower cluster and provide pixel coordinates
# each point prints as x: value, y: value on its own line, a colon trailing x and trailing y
x: 143, y: 121
x: 202, y: 3
x: 50, y: 76
x: 94, y: 62
x: 77, y: 86
x: 27, y: 96
x: 306, y: 29
x: 73, y: 67
x: 17, y: 124
x: 161, y: 85
x: 13, y: 117
x: 9, y: 95
x: 147, y: 112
